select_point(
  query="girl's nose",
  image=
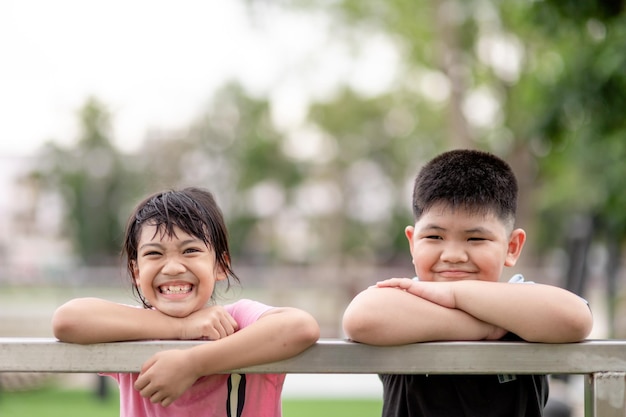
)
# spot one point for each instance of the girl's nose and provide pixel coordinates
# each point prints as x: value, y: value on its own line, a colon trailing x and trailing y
x: 173, y: 266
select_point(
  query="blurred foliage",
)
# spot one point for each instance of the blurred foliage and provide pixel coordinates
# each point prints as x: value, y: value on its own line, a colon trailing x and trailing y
x: 539, y: 83
x: 95, y: 185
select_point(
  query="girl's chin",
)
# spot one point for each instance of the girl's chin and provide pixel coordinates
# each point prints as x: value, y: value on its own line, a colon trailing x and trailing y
x: 177, y: 311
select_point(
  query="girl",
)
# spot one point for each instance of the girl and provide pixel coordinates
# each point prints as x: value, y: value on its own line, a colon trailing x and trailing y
x: 177, y: 249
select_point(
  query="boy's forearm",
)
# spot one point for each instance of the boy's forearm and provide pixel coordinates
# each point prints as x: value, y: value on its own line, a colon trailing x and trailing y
x: 390, y: 316
x: 93, y: 320
x: 535, y: 312
x: 279, y: 334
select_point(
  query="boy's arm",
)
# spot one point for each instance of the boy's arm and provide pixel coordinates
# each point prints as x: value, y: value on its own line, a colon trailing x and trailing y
x: 389, y: 316
x: 534, y: 312
x: 280, y: 333
x: 93, y: 320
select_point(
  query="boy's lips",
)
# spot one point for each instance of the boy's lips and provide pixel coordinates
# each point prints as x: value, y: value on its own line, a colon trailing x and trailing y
x: 454, y: 273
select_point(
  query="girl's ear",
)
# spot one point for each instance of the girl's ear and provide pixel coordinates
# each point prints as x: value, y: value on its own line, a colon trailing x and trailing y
x: 514, y: 250
x: 135, y: 272
x: 221, y: 272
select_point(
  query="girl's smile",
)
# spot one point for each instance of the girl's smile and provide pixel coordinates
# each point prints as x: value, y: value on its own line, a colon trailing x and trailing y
x: 176, y: 273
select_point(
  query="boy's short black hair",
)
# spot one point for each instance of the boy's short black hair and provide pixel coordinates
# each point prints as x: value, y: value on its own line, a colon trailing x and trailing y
x: 467, y: 179
x: 193, y: 210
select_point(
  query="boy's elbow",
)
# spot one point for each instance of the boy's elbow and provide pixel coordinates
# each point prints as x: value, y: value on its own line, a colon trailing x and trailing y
x: 581, y: 327
x: 360, y: 324
x: 572, y: 329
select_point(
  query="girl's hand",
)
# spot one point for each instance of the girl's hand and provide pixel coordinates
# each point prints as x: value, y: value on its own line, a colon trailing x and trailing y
x: 210, y: 323
x: 441, y: 293
x: 165, y: 376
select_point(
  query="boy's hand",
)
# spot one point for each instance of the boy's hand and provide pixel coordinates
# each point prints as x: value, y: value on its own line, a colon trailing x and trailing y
x: 210, y: 323
x: 441, y: 293
x: 165, y: 376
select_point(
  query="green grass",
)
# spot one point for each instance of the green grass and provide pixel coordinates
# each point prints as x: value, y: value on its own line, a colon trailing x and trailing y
x: 332, y: 407
x: 51, y: 402
x: 54, y: 402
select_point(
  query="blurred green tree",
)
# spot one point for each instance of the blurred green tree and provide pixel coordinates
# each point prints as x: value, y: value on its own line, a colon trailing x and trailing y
x: 95, y: 185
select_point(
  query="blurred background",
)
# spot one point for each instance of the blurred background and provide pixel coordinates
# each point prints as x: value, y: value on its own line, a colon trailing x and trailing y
x: 308, y: 119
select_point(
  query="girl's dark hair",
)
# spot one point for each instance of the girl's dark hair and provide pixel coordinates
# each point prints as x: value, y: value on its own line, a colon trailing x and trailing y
x: 467, y: 179
x: 194, y: 211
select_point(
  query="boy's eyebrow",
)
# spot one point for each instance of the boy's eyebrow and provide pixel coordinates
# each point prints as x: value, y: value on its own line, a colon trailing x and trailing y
x: 433, y: 226
x: 479, y: 229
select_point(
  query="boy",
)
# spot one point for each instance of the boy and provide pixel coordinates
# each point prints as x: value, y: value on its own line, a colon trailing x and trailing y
x: 464, y: 204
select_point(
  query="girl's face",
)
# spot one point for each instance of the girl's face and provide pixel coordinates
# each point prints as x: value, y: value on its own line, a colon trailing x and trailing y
x: 452, y: 245
x: 176, y: 274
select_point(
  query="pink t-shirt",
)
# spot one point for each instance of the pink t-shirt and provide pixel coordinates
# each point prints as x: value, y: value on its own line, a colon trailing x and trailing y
x: 245, y: 395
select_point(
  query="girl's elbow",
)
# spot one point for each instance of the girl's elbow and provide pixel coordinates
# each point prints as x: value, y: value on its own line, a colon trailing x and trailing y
x: 66, y: 324
x: 308, y: 330
x: 62, y: 327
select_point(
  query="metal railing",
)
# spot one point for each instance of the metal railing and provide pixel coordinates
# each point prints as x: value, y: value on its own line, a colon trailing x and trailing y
x: 603, y: 362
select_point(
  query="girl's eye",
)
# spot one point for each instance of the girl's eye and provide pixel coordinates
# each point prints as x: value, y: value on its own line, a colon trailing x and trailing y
x: 192, y: 250
x: 152, y: 253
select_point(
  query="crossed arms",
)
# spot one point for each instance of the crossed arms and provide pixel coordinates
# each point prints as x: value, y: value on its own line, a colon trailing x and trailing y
x: 401, y: 311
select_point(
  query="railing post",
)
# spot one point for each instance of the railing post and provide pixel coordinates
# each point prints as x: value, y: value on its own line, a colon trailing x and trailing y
x: 605, y: 394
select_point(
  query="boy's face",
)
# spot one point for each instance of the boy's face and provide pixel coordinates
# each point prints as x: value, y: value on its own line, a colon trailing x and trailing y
x: 452, y: 245
x: 176, y: 274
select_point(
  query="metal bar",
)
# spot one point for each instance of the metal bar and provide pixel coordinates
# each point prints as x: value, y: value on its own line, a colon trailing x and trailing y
x: 605, y: 394
x: 335, y: 356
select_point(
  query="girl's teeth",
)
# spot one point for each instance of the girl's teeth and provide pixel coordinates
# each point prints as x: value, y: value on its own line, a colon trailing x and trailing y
x: 175, y: 289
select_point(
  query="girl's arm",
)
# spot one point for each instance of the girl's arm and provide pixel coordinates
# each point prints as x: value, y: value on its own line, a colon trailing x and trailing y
x: 390, y: 316
x: 280, y: 333
x: 534, y: 312
x: 93, y: 320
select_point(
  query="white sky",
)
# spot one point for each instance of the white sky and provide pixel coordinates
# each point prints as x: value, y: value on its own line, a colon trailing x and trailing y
x: 155, y: 63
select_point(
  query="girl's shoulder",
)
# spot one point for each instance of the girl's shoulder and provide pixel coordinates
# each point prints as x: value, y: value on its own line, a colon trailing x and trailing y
x: 246, y: 311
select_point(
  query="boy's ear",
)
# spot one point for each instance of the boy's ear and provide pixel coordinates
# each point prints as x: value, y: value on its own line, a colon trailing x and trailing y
x: 514, y: 250
x: 409, y: 231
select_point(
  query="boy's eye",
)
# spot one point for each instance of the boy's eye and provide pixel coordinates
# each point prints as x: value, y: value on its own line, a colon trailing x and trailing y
x: 436, y: 237
x: 476, y: 239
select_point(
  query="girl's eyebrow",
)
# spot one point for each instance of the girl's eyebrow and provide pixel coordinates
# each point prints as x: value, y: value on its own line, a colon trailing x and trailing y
x: 149, y: 244
x: 181, y: 243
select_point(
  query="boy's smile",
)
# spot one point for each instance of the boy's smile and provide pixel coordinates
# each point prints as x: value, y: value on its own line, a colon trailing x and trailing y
x: 176, y: 274
x: 456, y: 244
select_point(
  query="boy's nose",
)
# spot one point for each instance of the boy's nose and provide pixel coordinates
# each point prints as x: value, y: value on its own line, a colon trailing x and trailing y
x: 454, y: 253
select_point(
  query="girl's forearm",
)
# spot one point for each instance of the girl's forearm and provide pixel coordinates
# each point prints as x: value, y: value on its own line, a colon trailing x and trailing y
x: 279, y: 334
x: 93, y: 320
